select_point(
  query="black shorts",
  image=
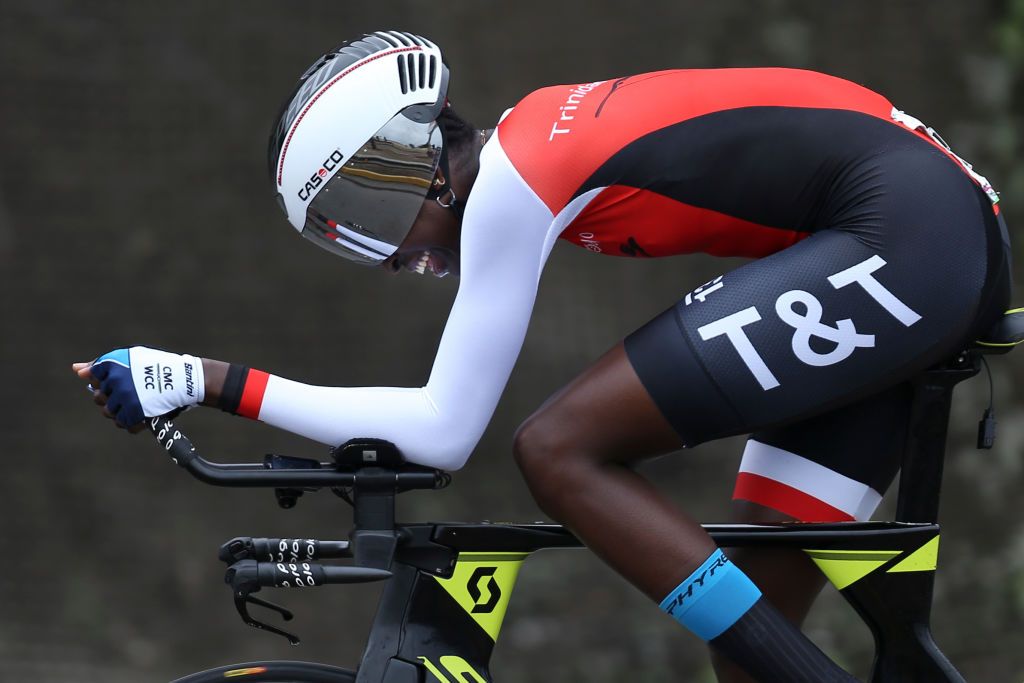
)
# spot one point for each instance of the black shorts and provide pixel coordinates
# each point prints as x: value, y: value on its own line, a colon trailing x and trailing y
x: 812, y: 348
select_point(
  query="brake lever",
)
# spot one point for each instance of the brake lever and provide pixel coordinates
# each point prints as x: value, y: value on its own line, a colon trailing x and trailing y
x: 244, y: 580
x: 242, y: 598
x: 247, y: 576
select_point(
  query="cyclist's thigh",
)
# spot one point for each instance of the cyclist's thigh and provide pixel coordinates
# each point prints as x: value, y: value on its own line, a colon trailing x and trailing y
x: 841, y: 315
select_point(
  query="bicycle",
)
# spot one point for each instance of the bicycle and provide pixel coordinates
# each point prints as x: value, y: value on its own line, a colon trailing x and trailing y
x: 448, y: 585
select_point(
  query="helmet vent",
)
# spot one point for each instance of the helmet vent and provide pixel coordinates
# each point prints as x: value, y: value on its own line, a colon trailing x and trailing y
x: 403, y: 77
x: 410, y: 60
x: 406, y: 39
x: 386, y: 38
x: 415, y: 72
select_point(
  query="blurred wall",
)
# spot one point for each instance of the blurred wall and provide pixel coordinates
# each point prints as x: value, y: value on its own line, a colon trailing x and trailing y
x: 135, y: 208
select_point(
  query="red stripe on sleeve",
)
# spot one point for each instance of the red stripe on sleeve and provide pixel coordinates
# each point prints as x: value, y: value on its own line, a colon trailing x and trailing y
x: 252, y: 394
x: 785, y: 499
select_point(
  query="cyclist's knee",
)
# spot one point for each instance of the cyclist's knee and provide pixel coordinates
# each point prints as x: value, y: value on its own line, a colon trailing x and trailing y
x: 535, y: 446
x: 545, y: 453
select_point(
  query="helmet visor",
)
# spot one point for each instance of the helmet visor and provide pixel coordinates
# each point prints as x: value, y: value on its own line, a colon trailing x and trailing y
x: 367, y: 209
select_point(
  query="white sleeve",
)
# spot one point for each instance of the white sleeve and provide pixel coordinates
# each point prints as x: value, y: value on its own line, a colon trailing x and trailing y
x: 506, y: 237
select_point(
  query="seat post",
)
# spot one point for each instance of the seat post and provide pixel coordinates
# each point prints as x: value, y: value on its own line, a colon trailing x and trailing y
x: 925, y: 448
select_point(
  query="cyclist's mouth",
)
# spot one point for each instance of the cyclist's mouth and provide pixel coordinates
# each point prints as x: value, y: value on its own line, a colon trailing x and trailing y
x: 437, y: 261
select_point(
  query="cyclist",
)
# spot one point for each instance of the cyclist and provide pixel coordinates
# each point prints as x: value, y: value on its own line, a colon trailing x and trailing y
x: 878, y: 252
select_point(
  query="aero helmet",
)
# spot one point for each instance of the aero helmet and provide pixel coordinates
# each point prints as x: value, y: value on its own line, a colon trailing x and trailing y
x: 355, y: 148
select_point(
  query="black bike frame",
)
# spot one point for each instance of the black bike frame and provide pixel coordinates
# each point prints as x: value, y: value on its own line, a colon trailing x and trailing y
x: 442, y: 608
x: 447, y: 619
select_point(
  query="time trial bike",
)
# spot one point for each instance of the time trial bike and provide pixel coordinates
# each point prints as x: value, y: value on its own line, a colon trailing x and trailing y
x: 447, y: 585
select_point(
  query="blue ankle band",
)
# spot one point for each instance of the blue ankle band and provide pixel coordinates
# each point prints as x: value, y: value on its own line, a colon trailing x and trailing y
x: 713, y: 598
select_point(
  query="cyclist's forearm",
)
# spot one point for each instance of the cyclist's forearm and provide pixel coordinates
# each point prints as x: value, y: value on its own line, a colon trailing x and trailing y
x: 427, y: 433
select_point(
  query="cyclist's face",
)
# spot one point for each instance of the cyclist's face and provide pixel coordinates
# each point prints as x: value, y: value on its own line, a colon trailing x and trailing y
x: 432, y: 244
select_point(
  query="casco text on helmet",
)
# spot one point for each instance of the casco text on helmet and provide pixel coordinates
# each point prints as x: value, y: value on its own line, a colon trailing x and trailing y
x: 356, y: 145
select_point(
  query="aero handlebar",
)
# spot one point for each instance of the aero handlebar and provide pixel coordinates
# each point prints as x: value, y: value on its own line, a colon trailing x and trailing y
x: 279, y: 472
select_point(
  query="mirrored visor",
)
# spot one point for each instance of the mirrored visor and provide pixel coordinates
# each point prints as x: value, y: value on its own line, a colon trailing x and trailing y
x: 367, y: 209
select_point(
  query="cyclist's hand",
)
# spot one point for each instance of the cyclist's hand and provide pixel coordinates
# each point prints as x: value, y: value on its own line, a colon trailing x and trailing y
x: 84, y: 372
x: 140, y: 382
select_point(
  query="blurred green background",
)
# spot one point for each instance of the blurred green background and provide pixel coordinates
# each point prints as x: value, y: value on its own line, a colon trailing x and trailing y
x: 135, y: 208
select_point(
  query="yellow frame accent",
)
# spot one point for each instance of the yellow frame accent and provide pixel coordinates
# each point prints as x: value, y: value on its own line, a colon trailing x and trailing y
x: 505, y: 570
x: 924, y: 559
x: 844, y: 567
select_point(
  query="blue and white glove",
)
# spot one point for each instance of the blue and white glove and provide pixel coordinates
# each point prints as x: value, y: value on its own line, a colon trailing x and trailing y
x: 141, y: 382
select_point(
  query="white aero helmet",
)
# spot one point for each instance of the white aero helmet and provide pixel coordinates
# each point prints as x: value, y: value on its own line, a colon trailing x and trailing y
x: 354, y: 151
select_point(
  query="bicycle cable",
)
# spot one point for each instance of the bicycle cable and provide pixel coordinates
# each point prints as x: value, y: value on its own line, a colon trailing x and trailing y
x: 987, y: 424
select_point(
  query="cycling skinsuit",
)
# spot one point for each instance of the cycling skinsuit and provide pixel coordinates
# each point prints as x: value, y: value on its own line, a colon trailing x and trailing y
x: 878, y: 254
